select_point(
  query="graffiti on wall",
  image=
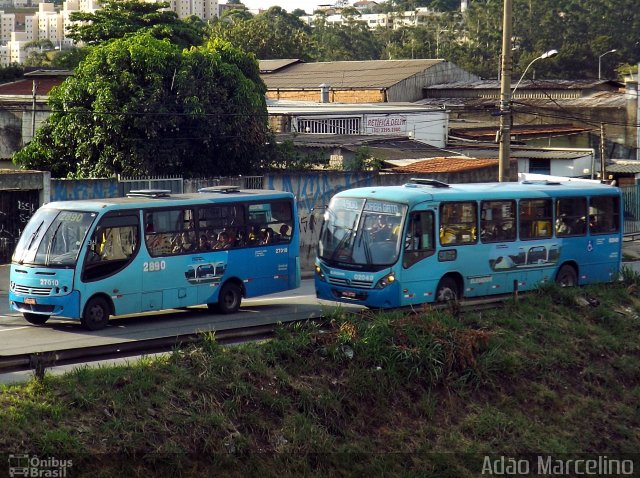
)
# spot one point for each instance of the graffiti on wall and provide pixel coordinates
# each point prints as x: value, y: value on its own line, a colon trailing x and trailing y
x: 65, y: 190
x: 313, y: 191
x: 16, y: 208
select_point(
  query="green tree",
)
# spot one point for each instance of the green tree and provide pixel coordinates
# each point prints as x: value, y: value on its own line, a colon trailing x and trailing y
x: 118, y: 18
x: 271, y: 34
x: 140, y: 105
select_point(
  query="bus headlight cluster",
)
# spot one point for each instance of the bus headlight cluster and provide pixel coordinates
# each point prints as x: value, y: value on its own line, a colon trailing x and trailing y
x: 385, y: 281
x: 319, y: 273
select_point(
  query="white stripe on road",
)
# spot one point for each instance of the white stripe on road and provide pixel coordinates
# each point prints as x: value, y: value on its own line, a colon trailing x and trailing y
x: 278, y: 298
x: 15, y: 328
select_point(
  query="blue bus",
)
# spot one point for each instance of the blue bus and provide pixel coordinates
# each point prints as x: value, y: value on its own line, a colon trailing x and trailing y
x: 428, y: 241
x: 88, y: 260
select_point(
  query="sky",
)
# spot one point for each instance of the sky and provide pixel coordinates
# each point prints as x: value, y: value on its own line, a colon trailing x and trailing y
x: 288, y: 5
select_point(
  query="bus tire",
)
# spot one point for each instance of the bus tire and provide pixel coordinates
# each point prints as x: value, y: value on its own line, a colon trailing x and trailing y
x: 96, y: 314
x: 229, y: 298
x: 567, y: 276
x: 35, y: 319
x: 447, y: 290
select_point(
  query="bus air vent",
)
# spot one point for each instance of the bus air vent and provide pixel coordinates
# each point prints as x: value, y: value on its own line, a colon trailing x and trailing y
x: 541, y: 182
x: 220, y: 189
x: 149, y: 193
x: 428, y: 182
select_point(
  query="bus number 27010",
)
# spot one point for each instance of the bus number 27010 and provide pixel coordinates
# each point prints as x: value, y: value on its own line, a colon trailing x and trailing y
x: 154, y: 266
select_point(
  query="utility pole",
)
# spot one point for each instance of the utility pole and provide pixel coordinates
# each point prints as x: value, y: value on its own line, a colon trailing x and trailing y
x: 603, y: 177
x: 33, y: 111
x: 504, y: 134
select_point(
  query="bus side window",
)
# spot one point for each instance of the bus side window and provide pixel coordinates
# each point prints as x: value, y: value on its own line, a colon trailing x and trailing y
x: 458, y: 223
x: 604, y: 214
x: 535, y: 218
x: 112, y: 245
x: 419, y: 241
x: 571, y: 213
x: 497, y: 221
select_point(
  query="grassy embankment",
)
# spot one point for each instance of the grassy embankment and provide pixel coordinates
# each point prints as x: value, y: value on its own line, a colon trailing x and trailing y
x: 558, y: 373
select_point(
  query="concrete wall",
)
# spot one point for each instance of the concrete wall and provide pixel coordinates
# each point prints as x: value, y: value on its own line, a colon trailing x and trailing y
x: 68, y: 189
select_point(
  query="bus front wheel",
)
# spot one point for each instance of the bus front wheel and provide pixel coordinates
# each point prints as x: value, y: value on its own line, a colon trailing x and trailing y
x: 447, y: 290
x: 230, y: 298
x: 96, y: 314
x: 35, y: 319
x: 567, y: 277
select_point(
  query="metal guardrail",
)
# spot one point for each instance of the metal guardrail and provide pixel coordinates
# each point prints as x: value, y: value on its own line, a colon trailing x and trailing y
x: 40, y: 361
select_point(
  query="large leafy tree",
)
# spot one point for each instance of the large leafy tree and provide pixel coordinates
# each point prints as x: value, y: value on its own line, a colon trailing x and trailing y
x: 118, y: 18
x: 271, y: 34
x: 140, y: 105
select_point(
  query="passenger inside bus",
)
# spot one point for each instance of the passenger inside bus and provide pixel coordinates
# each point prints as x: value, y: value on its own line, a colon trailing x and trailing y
x: 203, y: 243
x: 267, y: 236
x: 284, y: 233
x: 381, y: 231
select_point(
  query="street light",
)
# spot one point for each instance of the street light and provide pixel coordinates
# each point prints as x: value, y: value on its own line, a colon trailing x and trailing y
x: 506, y: 94
x: 548, y: 54
x: 600, y: 62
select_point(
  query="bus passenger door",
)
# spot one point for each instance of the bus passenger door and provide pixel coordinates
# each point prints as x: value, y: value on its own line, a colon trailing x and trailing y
x: 109, y: 262
x: 420, y: 274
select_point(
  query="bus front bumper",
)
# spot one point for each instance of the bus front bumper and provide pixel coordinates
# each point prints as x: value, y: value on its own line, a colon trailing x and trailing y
x: 63, y: 306
x: 376, y: 298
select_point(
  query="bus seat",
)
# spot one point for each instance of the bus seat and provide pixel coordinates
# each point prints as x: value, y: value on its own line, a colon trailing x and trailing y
x: 540, y: 229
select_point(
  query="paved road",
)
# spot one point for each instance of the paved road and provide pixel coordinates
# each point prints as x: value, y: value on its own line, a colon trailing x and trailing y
x: 17, y: 336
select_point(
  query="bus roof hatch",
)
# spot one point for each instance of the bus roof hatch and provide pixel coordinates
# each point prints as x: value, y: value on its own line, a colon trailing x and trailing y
x: 149, y: 193
x: 428, y: 182
x: 220, y: 189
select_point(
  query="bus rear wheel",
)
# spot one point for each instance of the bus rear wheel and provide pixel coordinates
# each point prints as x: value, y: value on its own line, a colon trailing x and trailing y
x: 35, y: 319
x: 447, y: 290
x: 96, y: 314
x: 229, y: 299
x: 567, y: 276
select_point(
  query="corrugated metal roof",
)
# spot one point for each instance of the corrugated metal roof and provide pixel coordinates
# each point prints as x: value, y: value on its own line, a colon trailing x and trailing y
x: 621, y: 166
x: 528, y: 131
x: 269, y: 66
x: 490, y: 150
x: 310, y: 108
x: 603, y: 99
x: 530, y: 85
x: 335, y: 140
x: 346, y: 74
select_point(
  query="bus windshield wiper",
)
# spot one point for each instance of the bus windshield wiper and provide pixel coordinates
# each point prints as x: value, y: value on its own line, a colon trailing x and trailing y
x: 52, y: 241
x: 343, y: 241
x: 30, y: 243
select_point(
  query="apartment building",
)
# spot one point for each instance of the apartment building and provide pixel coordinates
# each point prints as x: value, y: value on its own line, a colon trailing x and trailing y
x: 419, y: 16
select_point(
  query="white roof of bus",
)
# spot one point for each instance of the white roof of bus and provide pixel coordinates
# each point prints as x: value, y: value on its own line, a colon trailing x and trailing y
x: 413, y: 193
x: 171, y: 200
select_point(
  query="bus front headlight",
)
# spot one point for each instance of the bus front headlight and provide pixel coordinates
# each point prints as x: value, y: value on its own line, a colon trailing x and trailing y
x: 385, y: 281
x: 319, y: 273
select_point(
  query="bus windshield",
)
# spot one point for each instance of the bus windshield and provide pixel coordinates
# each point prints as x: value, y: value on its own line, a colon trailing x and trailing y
x: 53, y: 238
x: 361, y: 232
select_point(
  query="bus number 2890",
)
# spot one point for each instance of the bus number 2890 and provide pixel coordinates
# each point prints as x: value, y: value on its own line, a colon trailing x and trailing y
x: 154, y: 266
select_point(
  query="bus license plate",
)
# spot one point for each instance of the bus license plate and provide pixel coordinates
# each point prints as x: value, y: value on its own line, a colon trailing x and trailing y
x: 348, y: 294
x: 30, y: 301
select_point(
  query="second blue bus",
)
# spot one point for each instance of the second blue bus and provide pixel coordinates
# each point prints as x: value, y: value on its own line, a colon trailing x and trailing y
x: 427, y: 241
